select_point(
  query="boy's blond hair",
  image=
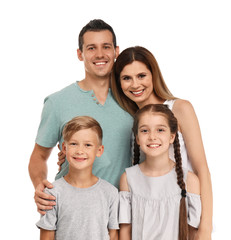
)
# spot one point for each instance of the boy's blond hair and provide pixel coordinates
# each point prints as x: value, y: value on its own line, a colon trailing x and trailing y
x: 80, y: 123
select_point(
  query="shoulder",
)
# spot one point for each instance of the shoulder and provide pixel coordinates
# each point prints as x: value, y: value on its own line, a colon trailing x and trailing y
x: 58, y: 186
x: 108, y: 186
x: 124, y: 182
x: 182, y: 106
x: 193, y: 183
x: 63, y: 92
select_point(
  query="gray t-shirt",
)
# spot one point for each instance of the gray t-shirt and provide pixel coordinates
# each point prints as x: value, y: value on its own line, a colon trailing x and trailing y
x: 82, y: 213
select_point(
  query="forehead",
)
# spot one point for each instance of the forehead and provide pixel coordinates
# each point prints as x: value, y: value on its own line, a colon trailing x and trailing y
x: 99, y: 37
x: 85, y: 134
x: 153, y: 119
x: 134, y: 67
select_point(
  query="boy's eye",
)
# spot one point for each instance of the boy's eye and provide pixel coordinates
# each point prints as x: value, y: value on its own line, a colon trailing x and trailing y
x: 88, y: 145
x: 72, y: 143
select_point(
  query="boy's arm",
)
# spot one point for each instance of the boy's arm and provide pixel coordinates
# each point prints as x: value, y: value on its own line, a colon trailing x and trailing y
x: 113, y: 233
x: 38, y: 174
x: 47, y: 234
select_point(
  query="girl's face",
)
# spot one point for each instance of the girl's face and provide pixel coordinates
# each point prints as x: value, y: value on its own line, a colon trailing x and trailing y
x: 136, y: 83
x: 154, y: 135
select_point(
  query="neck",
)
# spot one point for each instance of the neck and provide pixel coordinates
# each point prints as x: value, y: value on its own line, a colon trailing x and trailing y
x: 157, y: 166
x: 81, y: 179
x: 100, y: 86
x: 153, y: 99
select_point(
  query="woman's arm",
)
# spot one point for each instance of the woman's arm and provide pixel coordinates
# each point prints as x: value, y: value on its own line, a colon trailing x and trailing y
x: 190, y: 129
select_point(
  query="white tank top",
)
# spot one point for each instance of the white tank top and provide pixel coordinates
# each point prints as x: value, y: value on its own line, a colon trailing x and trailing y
x: 184, y: 155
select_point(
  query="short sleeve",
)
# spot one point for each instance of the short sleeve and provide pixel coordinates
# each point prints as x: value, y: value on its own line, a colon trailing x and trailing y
x: 49, y: 220
x: 124, y: 207
x: 48, y: 132
x: 113, y: 212
x: 194, y: 209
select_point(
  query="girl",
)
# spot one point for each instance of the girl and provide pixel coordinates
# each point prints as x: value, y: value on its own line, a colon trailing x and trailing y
x: 153, y: 199
x: 136, y: 82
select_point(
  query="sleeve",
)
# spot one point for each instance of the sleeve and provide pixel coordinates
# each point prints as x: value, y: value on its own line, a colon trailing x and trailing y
x: 124, y: 207
x: 113, y: 212
x: 194, y: 209
x: 48, y: 131
x: 49, y: 220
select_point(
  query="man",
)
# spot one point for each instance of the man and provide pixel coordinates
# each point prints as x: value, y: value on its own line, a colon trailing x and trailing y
x: 91, y: 96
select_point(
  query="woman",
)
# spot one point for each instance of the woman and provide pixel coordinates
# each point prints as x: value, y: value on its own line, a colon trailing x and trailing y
x: 136, y: 82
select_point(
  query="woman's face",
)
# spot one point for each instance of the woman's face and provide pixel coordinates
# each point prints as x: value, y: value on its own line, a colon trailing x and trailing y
x: 136, y: 83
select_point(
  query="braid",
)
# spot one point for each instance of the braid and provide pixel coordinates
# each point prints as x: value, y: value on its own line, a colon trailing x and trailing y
x: 183, y: 226
x: 136, y: 152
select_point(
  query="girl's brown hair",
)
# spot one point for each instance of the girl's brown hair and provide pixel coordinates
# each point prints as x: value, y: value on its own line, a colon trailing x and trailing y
x: 80, y: 123
x: 172, y: 122
x: 126, y: 57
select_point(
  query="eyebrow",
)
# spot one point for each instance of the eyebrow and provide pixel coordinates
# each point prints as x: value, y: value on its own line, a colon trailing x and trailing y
x: 93, y: 44
x: 159, y: 125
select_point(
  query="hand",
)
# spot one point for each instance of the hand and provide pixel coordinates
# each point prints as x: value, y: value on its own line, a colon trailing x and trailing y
x: 61, y: 158
x: 43, y: 201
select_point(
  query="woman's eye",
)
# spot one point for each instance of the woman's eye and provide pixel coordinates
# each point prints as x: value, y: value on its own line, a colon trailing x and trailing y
x: 142, y: 76
x: 125, y: 78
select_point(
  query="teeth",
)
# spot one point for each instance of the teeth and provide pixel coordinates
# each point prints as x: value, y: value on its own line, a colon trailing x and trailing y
x: 100, y: 63
x: 154, y: 145
x: 137, y: 92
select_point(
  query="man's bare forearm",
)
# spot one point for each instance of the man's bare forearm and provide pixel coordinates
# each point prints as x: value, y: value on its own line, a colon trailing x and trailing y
x: 38, y: 164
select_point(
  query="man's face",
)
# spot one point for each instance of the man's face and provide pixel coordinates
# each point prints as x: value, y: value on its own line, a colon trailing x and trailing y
x: 98, y: 53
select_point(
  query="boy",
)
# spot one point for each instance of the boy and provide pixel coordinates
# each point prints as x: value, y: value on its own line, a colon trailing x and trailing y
x: 86, y: 206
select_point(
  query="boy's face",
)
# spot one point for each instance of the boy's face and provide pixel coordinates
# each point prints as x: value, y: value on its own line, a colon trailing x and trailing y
x: 98, y: 53
x: 82, y: 149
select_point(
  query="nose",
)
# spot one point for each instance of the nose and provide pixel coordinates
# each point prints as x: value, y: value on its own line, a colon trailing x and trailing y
x: 135, y: 83
x: 99, y: 53
x: 152, y: 135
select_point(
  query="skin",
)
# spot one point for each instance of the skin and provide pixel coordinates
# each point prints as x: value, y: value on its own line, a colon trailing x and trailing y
x: 98, y: 55
x: 135, y: 78
x: 154, y: 138
x: 81, y: 150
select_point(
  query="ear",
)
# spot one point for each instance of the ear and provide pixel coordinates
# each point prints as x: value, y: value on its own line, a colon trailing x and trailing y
x: 79, y: 54
x: 172, y: 137
x: 117, y: 51
x: 100, y: 151
x: 64, y: 148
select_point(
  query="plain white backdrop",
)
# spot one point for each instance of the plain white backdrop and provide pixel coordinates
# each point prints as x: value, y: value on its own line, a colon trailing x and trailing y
x: 191, y: 42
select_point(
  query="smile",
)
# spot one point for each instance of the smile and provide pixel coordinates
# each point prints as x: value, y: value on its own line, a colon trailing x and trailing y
x: 137, y: 93
x: 100, y: 63
x: 154, y: 145
x: 79, y: 159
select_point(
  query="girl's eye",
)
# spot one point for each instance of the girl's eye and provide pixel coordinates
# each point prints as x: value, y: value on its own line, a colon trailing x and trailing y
x: 160, y: 130
x: 144, y: 131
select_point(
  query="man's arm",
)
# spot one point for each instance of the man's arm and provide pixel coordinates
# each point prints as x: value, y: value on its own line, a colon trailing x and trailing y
x: 38, y: 175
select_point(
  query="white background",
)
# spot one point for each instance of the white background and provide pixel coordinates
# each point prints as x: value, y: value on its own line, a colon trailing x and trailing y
x: 191, y: 42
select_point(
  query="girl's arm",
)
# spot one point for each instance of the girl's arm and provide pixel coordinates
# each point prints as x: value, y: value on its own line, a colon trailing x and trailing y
x: 125, y: 229
x: 47, y: 234
x: 190, y: 129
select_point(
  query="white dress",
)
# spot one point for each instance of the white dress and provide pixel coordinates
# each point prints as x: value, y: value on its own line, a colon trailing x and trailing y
x: 152, y: 205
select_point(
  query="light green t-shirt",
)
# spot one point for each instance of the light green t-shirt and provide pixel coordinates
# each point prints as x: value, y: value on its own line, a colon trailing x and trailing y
x: 116, y: 123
